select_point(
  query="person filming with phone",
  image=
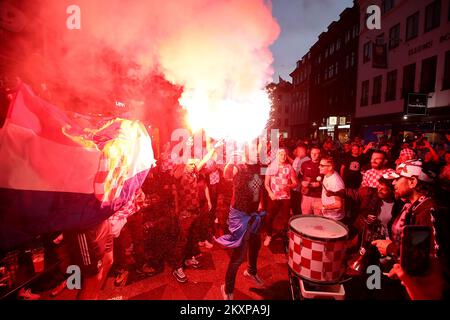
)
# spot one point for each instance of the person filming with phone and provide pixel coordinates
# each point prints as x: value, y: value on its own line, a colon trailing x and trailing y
x: 413, y: 233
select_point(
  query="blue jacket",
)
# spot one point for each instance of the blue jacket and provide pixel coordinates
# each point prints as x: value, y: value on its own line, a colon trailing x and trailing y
x: 238, y: 226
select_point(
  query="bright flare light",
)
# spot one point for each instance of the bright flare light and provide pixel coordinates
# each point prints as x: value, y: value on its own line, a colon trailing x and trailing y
x: 242, y: 119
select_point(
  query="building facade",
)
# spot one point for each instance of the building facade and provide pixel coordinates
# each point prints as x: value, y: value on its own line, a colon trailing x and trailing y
x: 333, y: 76
x: 407, y: 58
x: 300, y: 125
x: 280, y: 115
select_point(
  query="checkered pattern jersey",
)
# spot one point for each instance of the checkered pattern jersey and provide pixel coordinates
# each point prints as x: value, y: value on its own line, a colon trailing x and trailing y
x: 371, y: 177
x: 280, y: 181
x: 408, y: 154
x: 214, y: 175
x: 188, y: 193
x: 316, y: 260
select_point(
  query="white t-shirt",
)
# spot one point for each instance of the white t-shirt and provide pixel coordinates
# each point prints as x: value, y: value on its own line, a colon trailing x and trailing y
x: 386, y: 213
x: 332, y: 183
x: 297, y: 165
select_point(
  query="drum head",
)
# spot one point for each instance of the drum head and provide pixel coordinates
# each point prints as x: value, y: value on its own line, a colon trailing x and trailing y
x: 317, y: 227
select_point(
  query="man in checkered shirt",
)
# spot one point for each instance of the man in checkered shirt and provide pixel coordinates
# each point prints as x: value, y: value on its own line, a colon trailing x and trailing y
x: 280, y: 180
x: 188, y: 210
x: 378, y: 162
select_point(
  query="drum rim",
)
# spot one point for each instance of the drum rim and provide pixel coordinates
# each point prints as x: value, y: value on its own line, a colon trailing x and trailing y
x: 318, y: 238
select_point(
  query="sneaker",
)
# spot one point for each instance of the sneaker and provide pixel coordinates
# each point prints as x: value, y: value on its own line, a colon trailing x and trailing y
x: 193, y: 262
x: 179, y: 275
x: 255, y: 278
x: 225, y: 296
x: 26, y: 294
x: 267, y: 241
x: 121, y: 278
x: 146, y: 269
x: 59, y: 288
x: 208, y: 245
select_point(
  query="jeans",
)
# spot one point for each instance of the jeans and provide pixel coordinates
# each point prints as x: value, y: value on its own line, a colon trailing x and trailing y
x: 252, y: 242
x: 296, y: 200
x: 186, y: 245
x: 280, y: 210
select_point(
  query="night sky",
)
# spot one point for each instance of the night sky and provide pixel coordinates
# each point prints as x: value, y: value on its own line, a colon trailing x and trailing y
x: 301, y: 22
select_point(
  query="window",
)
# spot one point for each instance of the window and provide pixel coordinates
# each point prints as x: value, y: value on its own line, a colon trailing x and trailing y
x: 352, y: 59
x: 332, y: 48
x: 286, y: 109
x: 377, y: 82
x: 412, y: 26
x: 348, y: 36
x: 347, y: 61
x: 355, y: 31
x: 380, y: 39
x: 338, y: 44
x: 432, y: 15
x: 391, y: 85
x: 367, y: 52
x: 446, y: 82
x: 387, y: 5
x: 365, y: 93
x: 448, y: 18
x: 286, y: 122
x: 394, y: 36
x: 428, y: 75
x: 336, y: 68
x: 409, y: 78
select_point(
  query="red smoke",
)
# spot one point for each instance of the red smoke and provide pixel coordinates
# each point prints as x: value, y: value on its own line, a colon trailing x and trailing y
x: 144, y: 53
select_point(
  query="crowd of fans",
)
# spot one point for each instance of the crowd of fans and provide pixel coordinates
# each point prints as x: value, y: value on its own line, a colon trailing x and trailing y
x: 374, y: 188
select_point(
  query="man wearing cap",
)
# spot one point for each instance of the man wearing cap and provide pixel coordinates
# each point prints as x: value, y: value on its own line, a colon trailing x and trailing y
x: 410, y: 184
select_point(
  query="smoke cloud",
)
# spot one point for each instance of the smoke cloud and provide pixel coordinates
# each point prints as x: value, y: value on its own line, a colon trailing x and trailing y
x: 218, y: 47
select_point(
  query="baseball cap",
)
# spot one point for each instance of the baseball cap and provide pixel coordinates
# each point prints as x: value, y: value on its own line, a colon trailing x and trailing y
x: 409, y: 169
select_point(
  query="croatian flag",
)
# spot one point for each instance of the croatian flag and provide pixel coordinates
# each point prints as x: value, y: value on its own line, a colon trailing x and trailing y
x: 57, y: 175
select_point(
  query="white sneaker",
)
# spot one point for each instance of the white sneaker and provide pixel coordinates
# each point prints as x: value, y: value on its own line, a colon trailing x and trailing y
x: 255, y: 278
x: 179, y: 275
x: 267, y: 241
x: 225, y: 296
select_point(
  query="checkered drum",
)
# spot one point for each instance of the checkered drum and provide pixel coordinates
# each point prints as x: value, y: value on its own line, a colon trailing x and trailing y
x: 317, y: 247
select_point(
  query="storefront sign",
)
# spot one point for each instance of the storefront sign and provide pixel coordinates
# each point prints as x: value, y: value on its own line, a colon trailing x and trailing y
x: 417, y: 104
x: 422, y: 47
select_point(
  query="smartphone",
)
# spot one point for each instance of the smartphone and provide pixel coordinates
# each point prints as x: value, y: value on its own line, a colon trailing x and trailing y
x: 415, y: 250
